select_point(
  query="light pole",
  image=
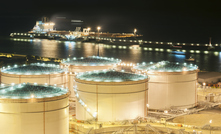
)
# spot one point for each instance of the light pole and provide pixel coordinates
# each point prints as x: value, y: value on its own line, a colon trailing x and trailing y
x: 135, y: 30
x: 98, y: 28
x: 210, y: 125
x: 204, y: 87
x: 166, y: 112
x: 88, y: 30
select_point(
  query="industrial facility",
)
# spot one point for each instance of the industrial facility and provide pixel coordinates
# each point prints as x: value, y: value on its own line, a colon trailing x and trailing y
x: 171, y: 85
x: 109, y: 95
x: 34, y: 73
x: 34, y: 109
x: 98, y: 94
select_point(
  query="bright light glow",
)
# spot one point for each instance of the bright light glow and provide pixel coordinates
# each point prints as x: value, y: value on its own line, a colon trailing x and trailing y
x: 216, y: 53
x: 32, y: 96
x: 191, y: 51
x: 98, y: 28
x: 165, y: 111
x: 184, y: 69
x: 210, y: 121
x: 204, y: 84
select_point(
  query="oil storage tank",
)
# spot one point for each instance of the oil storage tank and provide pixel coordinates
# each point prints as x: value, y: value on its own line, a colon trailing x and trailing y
x: 83, y: 64
x: 34, y: 109
x: 171, y: 85
x: 109, y: 95
x: 90, y: 63
x: 34, y: 73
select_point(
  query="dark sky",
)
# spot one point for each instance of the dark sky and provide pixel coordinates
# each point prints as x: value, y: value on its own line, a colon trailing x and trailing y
x: 166, y: 20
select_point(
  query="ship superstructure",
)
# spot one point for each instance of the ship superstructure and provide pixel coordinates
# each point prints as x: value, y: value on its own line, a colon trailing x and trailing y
x: 43, y: 26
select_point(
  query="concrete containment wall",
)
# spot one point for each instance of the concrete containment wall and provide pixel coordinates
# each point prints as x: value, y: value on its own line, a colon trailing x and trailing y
x: 77, y: 68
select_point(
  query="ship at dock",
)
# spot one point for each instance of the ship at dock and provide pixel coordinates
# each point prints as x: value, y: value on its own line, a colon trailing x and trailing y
x: 44, y: 29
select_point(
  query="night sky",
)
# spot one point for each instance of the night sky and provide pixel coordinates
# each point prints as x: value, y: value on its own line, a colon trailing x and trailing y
x: 157, y: 20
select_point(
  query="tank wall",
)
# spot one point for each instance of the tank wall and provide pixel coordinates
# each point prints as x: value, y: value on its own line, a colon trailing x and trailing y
x: 73, y: 68
x: 113, y: 102
x: 29, y: 118
x: 172, y: 90
x: 71, y: 83
x: 59, y: 79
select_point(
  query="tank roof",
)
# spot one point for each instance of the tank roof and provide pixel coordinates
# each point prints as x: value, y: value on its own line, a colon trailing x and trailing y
x: 33, y: 69
x: 27, y: 91
x: 110, y: 76
x: 91, y: 61
x: 166, y: 66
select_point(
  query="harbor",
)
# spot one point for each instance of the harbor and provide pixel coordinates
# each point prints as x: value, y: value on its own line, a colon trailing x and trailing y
x: 44, y: 29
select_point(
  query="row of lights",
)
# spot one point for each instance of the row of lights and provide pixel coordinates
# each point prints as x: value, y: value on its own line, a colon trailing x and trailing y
x: 32, y: 95
x: 135, y: 30
x: 46, y: 24
x: 145, y: 48
x: 34, y: 34
x: 98, y: 28
x: 126, y: 64
x: 4, y: 69
x: 110, y: 39
x: 150, y: 69
x: 141, y: 76
x: 170, y: 43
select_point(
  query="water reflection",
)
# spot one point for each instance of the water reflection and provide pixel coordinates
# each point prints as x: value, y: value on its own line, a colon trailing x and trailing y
x: 64, y: 49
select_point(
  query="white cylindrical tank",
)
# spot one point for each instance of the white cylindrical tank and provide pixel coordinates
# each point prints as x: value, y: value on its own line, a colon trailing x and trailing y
x: 34, y: 109
x: 170, y: 84
x: 83, y: 64
x: 110, y: 95
x: 34, y: 73
x: 90, y: 63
